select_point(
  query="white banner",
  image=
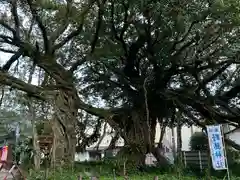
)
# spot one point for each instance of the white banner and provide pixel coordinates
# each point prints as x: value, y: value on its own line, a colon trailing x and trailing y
x: 216, y: 147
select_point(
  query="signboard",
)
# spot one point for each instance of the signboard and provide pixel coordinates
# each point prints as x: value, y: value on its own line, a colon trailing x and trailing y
x: 216, y: 147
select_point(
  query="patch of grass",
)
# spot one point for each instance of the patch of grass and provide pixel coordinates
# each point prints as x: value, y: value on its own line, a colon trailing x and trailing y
x: 73, y: 176
x: 106, y: 171
x: 67, y: 174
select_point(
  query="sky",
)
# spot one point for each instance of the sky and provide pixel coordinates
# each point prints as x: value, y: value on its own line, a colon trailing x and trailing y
x: 4, y: 57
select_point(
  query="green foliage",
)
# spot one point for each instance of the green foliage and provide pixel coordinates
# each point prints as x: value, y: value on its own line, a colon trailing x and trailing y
x: 181, y: 46
x: 89, y: 169
x: 184, y: 35
x: 233, y: 158
x: 23, y: 152
x: 198, y: 142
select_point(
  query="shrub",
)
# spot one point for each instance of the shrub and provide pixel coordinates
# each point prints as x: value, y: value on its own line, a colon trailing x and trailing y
x: 198, y: 142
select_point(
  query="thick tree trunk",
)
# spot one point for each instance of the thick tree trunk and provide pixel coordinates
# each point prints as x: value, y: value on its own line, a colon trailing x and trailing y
x: 158, y: 152
x: 36, y: 148
x: 64, y: 123
x: 179, y: 139
x: 179, y: 142
x: 37, y: 155
x: 135, y: 132
x: 138, y: 139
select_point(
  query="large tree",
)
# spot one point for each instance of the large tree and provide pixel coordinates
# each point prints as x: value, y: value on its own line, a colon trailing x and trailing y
x: 165, y: 61
x: 150, y: 61
x: 42, y: 35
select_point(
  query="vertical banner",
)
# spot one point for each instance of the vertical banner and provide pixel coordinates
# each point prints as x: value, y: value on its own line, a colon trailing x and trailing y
x: 216, y: 145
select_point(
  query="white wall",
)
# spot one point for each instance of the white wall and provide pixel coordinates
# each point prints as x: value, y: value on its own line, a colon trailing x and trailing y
x: 186, y: 135
x: 235, y: 137
x: 82, y: 156
x: 167, y: 141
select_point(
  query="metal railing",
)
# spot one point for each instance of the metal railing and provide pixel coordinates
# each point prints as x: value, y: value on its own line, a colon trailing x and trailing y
x: 196, y: 159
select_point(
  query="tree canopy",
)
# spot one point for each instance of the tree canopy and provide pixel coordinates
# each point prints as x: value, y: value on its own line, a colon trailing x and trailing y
x: 148, y: 61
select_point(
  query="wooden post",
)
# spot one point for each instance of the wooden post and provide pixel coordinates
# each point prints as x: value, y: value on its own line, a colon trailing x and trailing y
x: 192, y: 131
x: 124, y: 171
x: 225, y: 153
x: 155, y: 178
x: 200, y: 160
x: 80, y: 177
x: 185, y: 159
x: 173, y: 144
x: 114, y: 174
x: 124, y: 168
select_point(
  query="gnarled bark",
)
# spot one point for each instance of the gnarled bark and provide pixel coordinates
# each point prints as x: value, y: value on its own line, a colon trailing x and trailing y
x: 138, y: 142
x: 43, y: 55
x: 64, y: 123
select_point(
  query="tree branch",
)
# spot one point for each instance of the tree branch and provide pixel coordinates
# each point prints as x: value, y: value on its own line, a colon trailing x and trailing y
x: 112, y: 144
x: 227, y: 140
x: 16, y: 83
x: 7, y: 51
x: 214, y: 76
x: 185, y: 35
x: 106, y: 79
x: 102, y: 136
x: 203, y: 107
x: 121, y: 77
x: 147, y: 111
x: 69, y: 37
x: 40, y: 25
x: 184, y: 47
x: 79, y: 28
x: 2, y: 95
x: 16, y: 19
x: 7, y: 39
x: 5, y: 25
x: 231, y: 93
x: 13, y: 59
x: 64, y: 25
x: 99, y: 112
x: 94, y: 41
x: 232, y: 143
x: 98, y: 26
x: 119, y: 38
x: 77, y: 63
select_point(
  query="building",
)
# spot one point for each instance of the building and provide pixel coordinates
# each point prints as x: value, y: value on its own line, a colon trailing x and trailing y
x: 169, y: 142
x: 232, y: 133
